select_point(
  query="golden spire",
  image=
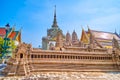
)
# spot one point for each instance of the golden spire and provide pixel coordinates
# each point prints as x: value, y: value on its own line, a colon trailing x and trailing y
x: 55, y: 20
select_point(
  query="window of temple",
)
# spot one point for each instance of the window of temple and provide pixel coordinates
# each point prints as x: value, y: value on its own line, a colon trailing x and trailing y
x: 100, y: 58
x: 21, y: 55
x: 60, y: 56
x: 71, y: 57
x: 88, y: 57
x: 68, y: 57
x: 109, y: 58
x: 41, y: 56
x: 31, y: 56
x: 65, y: 57
x: 38, y: 56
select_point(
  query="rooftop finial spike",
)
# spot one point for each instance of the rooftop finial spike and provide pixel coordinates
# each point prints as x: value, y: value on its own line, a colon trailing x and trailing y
x: 55, y: 20
x: 55, y: 11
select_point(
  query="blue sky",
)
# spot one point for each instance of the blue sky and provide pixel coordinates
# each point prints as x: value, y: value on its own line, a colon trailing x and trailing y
x: 36, y: 16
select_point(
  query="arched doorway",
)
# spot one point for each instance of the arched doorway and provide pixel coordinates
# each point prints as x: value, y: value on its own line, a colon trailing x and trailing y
x: 21, y: 55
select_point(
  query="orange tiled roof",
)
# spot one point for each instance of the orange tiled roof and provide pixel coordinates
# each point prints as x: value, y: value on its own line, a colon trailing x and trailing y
x: 12, y: 35
x: 2, y: 31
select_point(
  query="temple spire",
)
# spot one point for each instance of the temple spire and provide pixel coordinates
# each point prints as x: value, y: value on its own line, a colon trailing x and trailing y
x: 55, y: 20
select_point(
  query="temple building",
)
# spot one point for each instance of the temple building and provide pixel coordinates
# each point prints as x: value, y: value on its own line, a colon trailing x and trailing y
x: 55, y: 38
x: 10, y: 33
x: 68, y: 41
x: 49, y: 42
x: 99, y: 38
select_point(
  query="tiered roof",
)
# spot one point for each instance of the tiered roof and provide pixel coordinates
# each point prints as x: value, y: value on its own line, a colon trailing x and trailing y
x: 2, y: 32
x: 104, y: 35
x: 10, y: 33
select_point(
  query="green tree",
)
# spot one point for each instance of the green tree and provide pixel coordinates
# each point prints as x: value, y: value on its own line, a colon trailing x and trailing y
x: 1, y: 45
x: 6, y: 47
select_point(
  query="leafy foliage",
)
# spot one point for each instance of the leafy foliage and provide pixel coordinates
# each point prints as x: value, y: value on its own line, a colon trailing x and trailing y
x: 6, y: 47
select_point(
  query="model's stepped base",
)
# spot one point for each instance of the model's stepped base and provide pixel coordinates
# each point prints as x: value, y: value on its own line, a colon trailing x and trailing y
x: 74, y: 76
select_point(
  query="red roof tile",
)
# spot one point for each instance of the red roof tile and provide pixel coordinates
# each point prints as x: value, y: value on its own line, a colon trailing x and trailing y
x: 2, y: 31
x: 12, y: 35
